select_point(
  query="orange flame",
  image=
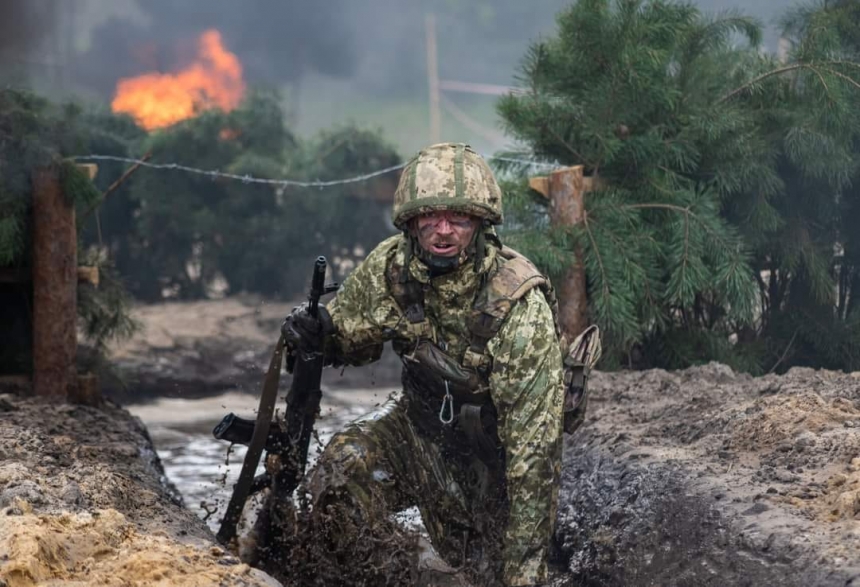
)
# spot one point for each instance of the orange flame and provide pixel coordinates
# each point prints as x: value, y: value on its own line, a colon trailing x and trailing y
x: 157, y: 100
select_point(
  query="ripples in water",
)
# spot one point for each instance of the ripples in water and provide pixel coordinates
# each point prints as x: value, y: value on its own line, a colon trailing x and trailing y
x: 204, y: 469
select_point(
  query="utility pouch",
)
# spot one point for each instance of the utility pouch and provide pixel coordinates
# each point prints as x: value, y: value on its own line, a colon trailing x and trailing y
x: 583, y: 353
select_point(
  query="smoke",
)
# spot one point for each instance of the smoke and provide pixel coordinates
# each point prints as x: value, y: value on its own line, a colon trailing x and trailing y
x: 24, y: 27
x: 277, y: 41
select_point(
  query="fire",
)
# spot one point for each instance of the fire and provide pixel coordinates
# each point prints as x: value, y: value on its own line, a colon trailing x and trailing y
x: 157, y: 100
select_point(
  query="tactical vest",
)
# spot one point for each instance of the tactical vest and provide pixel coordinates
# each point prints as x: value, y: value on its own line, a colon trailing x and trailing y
x: 448, y: 397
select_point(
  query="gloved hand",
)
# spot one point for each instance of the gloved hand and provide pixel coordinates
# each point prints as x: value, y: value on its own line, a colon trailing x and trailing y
x: 304, y: 332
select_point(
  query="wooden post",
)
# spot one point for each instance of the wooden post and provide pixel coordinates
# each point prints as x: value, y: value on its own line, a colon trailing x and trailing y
x: 433, y: 79
x: 566, y: 189
x: 55, y: 280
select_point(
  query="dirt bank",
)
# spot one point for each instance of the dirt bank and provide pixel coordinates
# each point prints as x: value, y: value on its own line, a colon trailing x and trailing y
x: 694, y: 478
x: 84, y: 501
x: 707, y: 477
x: 197, y: 349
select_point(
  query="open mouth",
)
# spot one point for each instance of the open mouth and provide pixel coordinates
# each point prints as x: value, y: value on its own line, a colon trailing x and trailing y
x: 443, y: 249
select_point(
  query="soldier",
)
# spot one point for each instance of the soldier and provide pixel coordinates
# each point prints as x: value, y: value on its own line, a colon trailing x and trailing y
x: 475, y: 439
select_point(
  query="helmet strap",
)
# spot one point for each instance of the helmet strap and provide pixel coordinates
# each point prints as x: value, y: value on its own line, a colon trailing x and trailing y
x: 479, y: 246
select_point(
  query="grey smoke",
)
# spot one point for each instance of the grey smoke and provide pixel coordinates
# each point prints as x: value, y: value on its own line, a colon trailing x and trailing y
x: 277, y: 41
x: 377, y: 43
x: 25, y: 25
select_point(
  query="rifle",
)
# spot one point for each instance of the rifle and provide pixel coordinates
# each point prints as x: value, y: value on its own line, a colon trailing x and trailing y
x: 292, y: 440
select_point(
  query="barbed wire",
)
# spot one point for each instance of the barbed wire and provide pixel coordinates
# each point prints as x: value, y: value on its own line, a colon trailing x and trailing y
x: 284, y: 182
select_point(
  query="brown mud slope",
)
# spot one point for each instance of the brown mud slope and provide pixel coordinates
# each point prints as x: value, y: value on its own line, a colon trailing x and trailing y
x: 83, y: 501
x: 706, y: 477
x: 198, y: 349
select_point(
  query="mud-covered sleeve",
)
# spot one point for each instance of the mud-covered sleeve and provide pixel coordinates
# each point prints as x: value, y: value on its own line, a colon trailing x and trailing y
x: 362, y: 309
x: 526, y: 385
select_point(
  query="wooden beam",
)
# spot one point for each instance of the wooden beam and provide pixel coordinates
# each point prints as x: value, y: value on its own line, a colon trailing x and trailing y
x: 90, y: 169
x: 540, y: 185
x: 55, y: 283
x: 115, y: 185
x: 88, y: 275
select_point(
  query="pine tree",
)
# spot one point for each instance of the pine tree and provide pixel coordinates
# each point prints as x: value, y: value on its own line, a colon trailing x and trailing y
x: 808, y: 261
x: 691, y: 128
x: 35, y: 133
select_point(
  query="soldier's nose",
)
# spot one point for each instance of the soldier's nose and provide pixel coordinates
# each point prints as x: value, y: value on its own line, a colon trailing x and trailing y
x: 444, y: 227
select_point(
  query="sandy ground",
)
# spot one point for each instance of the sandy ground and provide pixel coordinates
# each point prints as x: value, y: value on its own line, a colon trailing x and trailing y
x: 692, y: 478
x: 83, y: 501
x: 706, y: 468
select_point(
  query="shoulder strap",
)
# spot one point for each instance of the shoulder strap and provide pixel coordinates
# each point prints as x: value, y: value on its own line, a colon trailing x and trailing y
x: 513, y: 279
x: 408, y: 294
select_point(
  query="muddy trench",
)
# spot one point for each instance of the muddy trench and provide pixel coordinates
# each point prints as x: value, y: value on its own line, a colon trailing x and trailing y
x: 698, y: 477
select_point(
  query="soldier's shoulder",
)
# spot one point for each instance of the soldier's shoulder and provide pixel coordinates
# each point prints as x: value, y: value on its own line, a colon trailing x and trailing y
x: 511, y: 256
x: 378, y: 258
x: 516, y: 276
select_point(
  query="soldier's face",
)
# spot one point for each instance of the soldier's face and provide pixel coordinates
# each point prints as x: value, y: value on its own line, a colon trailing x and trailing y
x: 445, y: 233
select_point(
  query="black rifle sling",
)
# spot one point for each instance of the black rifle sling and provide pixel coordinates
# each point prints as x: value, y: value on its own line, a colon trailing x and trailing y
x: 265, y: 411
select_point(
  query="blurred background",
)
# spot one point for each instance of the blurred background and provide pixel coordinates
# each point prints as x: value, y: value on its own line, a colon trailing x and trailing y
x: 335, y: 62
x: 274, y: 131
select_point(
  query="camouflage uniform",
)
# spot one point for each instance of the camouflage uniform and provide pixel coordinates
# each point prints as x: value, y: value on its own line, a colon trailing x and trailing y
x: 489, y: 501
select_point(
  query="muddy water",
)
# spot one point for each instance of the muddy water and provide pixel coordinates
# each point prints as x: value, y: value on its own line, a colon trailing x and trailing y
x: 200, y: 466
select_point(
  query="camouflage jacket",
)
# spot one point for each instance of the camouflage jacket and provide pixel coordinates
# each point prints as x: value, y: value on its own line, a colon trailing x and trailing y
x: 525, y: 381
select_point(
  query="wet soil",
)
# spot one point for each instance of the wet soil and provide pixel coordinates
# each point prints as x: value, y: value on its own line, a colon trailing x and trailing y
x: 707, y: 477
x: 198, y: 349
x: 84, y: 501
x: 690, y: 478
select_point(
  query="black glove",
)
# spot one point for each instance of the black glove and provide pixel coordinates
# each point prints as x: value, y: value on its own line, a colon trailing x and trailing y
x: 304, y: 332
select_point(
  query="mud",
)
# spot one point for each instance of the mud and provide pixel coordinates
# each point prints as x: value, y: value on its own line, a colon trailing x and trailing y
x: 691, y: 478
x: 84, y: 501
x: 707, y: 477
x: 198, y: 349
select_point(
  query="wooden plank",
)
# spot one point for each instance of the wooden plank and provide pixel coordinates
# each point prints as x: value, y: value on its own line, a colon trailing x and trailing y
x: 540, y: 184
x: 88, y: 275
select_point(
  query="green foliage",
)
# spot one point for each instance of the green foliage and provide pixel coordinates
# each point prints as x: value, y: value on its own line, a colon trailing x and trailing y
x: 24, y: 124
x: 35, y: 134
x: 183, y: 235
x: 723, y: 168
x: 105, y: 312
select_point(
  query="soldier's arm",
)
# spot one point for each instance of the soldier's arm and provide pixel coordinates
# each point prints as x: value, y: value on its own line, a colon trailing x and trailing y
x: 526, y: 385
x: 362, y: 309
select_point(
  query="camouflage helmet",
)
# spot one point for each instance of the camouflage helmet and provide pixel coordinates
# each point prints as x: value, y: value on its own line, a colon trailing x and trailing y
x: 447, y: 176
